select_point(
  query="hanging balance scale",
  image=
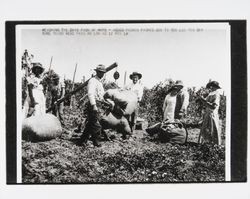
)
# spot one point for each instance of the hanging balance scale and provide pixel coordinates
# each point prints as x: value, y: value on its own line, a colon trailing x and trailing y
x: 116, y: 75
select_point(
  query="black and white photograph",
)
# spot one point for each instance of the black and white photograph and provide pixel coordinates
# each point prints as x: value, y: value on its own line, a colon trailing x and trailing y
x: 123, y: 103
x: 124, y: 99
x: 119, y: 99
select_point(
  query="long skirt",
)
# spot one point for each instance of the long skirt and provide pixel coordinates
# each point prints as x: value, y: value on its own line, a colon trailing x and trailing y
x: 210, y: 130
x: 40, y: 107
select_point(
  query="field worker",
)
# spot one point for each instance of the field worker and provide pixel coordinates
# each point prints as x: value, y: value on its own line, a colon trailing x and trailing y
x: 57, y: 92
x: 35, y: 101
x: 95, y: 94
x: 182, y: 101
x: 210, y: 130
x: 176, y: 102
x: 137, y: 87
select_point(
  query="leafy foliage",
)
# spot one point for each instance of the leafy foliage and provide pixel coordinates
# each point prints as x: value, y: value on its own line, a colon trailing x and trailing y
x: 134, y: 160
x: 139, y: 159
x: 152, y: 101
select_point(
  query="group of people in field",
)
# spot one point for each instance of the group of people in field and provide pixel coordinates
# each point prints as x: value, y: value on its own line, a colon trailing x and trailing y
x: 174, y: 105
x: 35, y: 100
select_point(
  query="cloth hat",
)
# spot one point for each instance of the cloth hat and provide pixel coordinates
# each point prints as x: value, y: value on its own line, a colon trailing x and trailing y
x: 55, y: 76
x: 178, y: 84
x: 135, y: 73
x: 37, y: 65
x: 214, y: 84
x: 101, y: 68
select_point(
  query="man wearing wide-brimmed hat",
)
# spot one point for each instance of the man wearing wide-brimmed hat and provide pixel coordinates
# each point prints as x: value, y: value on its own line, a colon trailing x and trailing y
x: 95, y: 93
x: 137, y: 87
x: 176, y: 102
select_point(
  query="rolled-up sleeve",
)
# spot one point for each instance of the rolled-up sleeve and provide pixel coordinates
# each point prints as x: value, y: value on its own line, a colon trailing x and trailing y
x: 91, y: 91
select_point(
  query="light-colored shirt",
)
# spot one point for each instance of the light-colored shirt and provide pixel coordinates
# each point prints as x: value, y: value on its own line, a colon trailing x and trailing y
x: 214, y: 98
x: 184, y: 99
x: 35, y: 81
x: 95, y: 90
x: 169, y: 107
x: 62, y: 83
x: 137, y: 88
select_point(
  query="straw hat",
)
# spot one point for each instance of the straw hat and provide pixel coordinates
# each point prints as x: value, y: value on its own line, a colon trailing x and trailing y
x: 100, y: 68
x: 213, y: 84
x: 178, y: 84
x: 37, y: 65
x: 135, y: 73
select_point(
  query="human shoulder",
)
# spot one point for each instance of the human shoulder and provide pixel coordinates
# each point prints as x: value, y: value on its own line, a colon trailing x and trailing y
x: 92, y: 80
x: 62, y: 84
x: 139, y: 84
x: 31, y: 79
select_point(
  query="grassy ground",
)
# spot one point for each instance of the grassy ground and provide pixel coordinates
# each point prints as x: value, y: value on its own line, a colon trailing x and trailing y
x: 138, y: 159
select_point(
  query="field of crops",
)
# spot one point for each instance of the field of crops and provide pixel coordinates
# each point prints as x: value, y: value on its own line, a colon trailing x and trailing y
x: 138, y: 159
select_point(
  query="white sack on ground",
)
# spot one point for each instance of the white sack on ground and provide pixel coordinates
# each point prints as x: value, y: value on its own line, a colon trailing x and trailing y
x: 41, y: 128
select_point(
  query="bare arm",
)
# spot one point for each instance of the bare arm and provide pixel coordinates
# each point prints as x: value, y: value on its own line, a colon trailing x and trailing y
x: 164, y: 104
x: 30, y: 91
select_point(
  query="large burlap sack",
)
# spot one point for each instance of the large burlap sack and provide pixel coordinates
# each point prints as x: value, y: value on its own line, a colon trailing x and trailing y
x: 172, y: 131
x: 41, y: 128
x: 124, y: 99
x: 154, y: 129
x: 110, y: 121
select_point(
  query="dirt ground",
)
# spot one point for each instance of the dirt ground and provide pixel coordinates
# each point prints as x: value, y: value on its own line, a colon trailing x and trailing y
x: 139, y: 159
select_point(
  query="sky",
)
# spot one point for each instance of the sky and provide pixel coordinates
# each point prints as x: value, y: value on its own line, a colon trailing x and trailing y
x: 193, y: 53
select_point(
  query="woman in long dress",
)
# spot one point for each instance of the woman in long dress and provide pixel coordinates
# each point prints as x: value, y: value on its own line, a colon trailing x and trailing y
x: 35, y: 101
x: 210, y: 130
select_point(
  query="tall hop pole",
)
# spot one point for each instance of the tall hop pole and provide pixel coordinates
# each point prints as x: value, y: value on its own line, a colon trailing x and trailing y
x: 72, y: 100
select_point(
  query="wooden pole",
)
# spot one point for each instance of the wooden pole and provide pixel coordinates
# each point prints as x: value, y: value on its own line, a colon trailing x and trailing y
x: 74, y: 78
x: 72, y: 100
x: 51, y: 59
x: 49, y: 73
x: 79, y: 88
x: 125, y: 77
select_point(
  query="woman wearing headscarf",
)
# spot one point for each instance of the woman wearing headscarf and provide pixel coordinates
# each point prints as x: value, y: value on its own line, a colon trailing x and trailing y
x: 210, y: 130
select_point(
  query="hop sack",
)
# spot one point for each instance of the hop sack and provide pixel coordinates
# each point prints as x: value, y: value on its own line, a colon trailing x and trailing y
x: 125, y: 99
x: 110, y: 121
x: 41, y: 128
x: 173, y: 132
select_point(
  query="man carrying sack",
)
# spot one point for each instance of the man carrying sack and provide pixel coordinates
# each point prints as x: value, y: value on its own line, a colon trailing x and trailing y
x: 95, y: 90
